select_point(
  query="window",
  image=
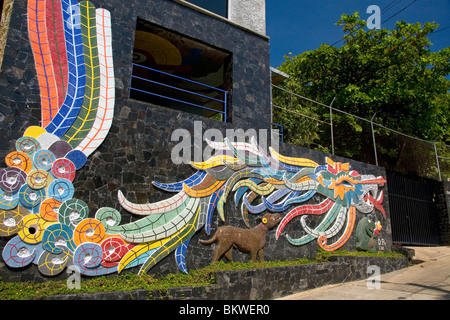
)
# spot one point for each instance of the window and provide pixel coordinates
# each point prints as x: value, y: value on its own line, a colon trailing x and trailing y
x: 181, y: 73
x: 219, y: 7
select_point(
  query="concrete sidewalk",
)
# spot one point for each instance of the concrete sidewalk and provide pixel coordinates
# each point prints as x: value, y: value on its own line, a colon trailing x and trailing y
x: 427, y: 279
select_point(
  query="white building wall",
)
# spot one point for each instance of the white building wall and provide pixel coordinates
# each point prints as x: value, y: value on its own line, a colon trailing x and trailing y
x: 250, y: 14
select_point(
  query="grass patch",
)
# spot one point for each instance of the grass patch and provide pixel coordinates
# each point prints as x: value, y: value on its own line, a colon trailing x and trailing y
x: 323, y: 256
x: 131, y: 281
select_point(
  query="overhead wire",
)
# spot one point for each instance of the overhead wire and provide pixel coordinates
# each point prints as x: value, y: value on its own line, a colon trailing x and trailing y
x: 385, y: 9
x: 440, y: 30
x: 398, y: 12
x: 390, y: 6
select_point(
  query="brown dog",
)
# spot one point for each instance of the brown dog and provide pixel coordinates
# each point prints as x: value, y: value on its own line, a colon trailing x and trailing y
x: 246, y: 240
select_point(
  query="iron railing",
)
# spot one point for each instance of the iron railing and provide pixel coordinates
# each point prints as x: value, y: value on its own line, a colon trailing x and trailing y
x: 169, y: 87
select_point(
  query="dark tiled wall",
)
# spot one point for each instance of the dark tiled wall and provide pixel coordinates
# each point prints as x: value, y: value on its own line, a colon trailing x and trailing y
x: 261, y: 284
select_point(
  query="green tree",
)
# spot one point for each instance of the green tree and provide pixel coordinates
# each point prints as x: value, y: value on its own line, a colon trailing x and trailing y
x: 390, y: 75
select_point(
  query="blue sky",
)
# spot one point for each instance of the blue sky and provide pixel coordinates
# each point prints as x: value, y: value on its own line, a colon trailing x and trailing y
x: 295, y: 26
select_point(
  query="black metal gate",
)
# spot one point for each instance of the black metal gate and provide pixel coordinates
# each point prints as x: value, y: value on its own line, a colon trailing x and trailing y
x: 414, y: 217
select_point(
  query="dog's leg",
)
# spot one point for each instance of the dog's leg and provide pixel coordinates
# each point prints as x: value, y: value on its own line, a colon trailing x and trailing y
x: 229, y: 254
x: 253, y: 254
x: 216, y: 255
x: 221, y: 248
x: 261, y: 255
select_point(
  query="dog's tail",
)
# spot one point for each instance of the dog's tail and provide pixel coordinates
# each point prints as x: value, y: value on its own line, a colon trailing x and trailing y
x: 210, y: 241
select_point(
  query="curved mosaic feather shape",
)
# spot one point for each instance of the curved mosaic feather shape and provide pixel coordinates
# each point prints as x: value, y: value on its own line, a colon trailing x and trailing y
x: 241, y: 174
x: 205, y: 188
x: 294, y: 197
x: 351, y: 219
x: 259, y: 189
x: 167, y: 229
x: 323, y: 229
x: 246, y: 157
x: 213, y: 201
x: 37, y: 30
x: 267, y: 203
x: 324, y: 226
x: 215, y: 161
x: 152, y: 208
x: 105, y: 112
x: 88, y: 111
x: 76, y: 84
x: 240, y: 146
x: 180, y: 256
x: 300, y: 162
x: 56, y: 39
x: 223, y: 173
x: 195, y: 179
x: 319, y: 209
x: 177, y: 239
x: 140, y: 253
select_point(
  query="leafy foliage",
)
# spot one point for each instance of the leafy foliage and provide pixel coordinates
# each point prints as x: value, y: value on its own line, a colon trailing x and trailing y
x: 390, y: 75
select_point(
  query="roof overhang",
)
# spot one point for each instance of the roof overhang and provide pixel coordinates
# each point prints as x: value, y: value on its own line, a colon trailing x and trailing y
x: 278, y: 76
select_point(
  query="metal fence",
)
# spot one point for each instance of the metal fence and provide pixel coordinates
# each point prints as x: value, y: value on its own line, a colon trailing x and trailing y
x: 413, y: 211
x: 322, y: 127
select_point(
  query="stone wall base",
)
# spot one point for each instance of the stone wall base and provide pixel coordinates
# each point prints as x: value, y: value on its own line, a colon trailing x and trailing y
x: 261, y: 284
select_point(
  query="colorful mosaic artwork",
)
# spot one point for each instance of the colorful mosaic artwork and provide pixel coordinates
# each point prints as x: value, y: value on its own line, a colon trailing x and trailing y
x: 72, y: 47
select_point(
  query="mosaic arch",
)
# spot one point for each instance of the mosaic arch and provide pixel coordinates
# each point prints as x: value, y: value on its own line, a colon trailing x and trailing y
x: 47, y: 227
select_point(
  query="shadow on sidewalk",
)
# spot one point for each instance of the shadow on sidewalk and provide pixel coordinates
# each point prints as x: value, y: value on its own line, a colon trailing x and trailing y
x: 446, y: 292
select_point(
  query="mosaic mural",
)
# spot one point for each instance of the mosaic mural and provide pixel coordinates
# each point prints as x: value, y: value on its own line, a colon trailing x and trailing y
x: 71, y: 43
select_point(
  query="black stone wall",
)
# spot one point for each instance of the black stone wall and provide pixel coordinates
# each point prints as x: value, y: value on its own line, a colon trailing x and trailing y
x: 138, y: 148
x: 261, y: 284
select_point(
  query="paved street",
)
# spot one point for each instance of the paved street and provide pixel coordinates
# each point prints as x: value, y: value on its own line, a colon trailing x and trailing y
x: 427, y: 279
